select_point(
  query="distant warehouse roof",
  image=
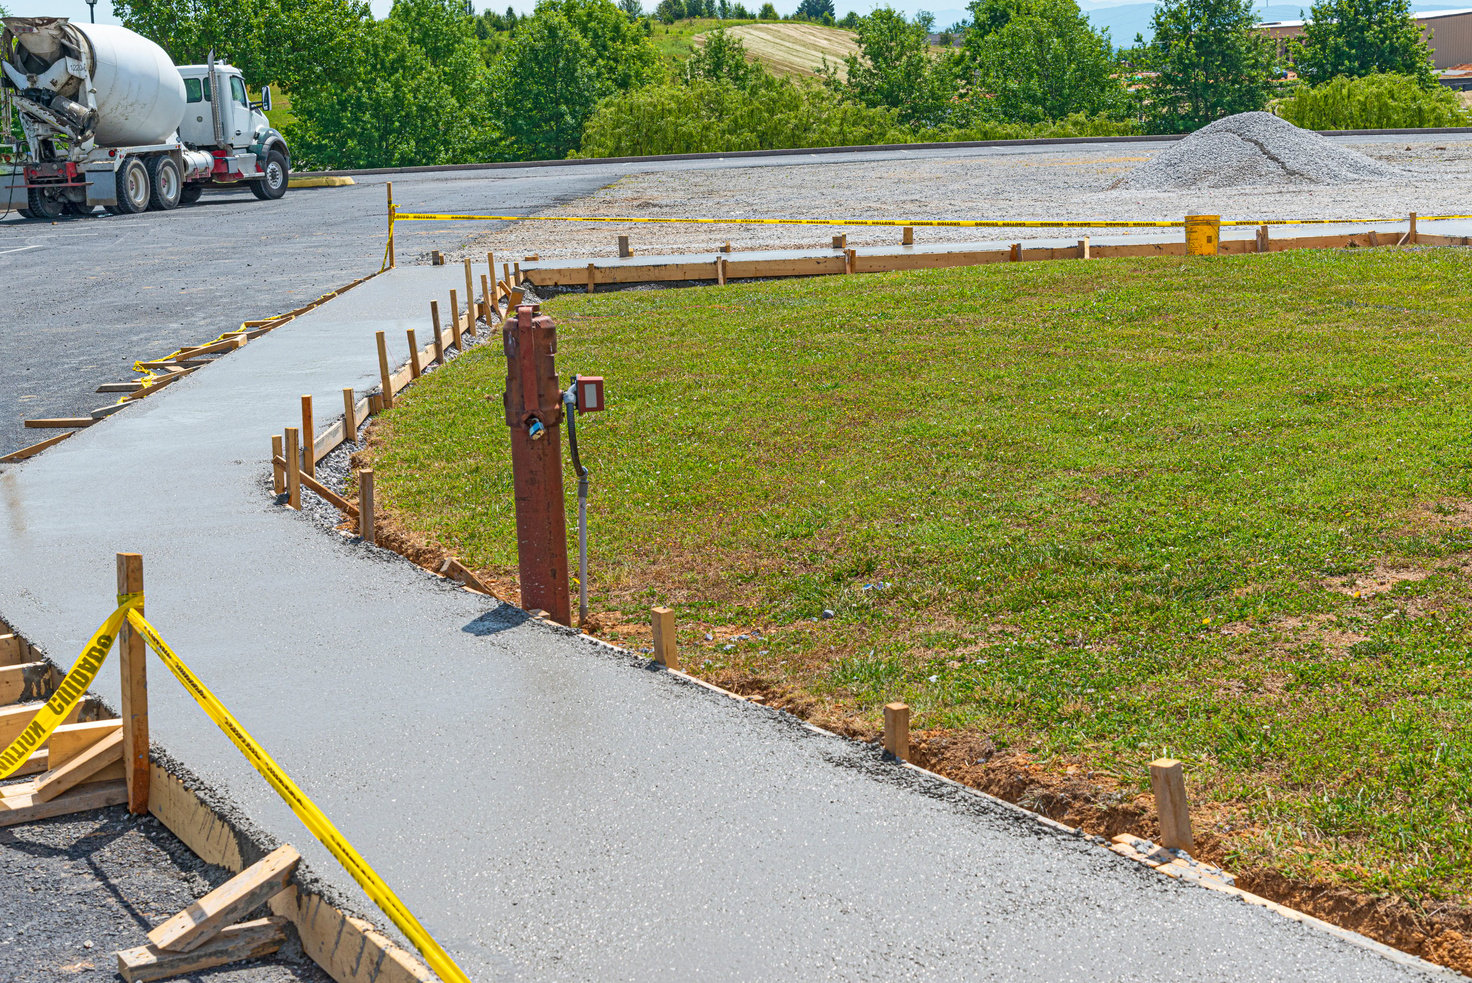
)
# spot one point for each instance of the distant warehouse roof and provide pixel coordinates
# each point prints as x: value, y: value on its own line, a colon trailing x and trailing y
x: 1449, y: 33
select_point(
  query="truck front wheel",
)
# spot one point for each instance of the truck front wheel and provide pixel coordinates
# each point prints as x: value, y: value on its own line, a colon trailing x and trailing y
x: 166, y: 183
x: 133, y: 188
x: 273, y: 185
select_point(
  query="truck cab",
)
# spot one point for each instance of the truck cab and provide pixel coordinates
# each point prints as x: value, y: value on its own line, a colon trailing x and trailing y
x: 232, y: 127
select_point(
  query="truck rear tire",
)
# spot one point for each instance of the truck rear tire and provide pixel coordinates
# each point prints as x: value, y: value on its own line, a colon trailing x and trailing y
x: 191, y: 193
x: 134, y: 191
x: 273, y: 185
x: 165, y: 182
x: 41, y: 205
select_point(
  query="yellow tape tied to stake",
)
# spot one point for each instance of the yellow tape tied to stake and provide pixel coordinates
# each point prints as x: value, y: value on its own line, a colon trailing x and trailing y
x: 72, y: 689
x: 306, y: 810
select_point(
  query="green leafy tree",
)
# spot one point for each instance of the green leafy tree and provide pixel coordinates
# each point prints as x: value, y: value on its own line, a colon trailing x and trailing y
x: 549, y: 81
x: 1362, y: 37
x: 407, y: 102
x: 290, y: 42
x: 634, y: 8
x: 622, y: 56
x: 896, y: 69
x: 814, y: 10
x: 722, y: 58
x: 739, y: 12
x: 1037, y: 60
x: 1373, y: 102
x: 768, y: 12
x: 669, y: 11
x: 1209, y: 60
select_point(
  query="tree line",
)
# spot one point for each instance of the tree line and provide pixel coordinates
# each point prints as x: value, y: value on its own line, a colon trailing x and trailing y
x: 434, y: 82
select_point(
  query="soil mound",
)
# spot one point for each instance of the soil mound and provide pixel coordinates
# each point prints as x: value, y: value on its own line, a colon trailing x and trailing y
x: 1254, y: 149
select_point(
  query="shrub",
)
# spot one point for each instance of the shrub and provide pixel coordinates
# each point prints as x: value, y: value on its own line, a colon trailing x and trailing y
x: 1373, y: 102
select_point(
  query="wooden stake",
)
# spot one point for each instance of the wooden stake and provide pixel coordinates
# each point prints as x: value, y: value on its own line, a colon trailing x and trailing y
x: 309, y: 438
x: 1168, y: 782
x: 293, y: 469
x: 375, y: 404
x: 664, y: 638
x: 1083, y: 248
x: 1262, y: 239
x: 349, y: 416
x: 491, y: 265
x: 516, y: 274
x: 133, y: 666
x: 1411, y: 235
x: 726, y: 248
x: 591, y: 270
x: 384, y: 377
x: 1014, y: 254
x: 840, y: 242
x: 487, y: 290
x: 907, y: 237
x: 850, y: 260
x: 414, y: 369
x: 278, y: 473
x: 469, y: 294
x: 721, y: 270
x: 391, y: 261
x: 237, y: 897
x: 439, y: 339
x: 506, y: 273
x: 624, y: 252
x: 365, y: 506
x: 897, y: 730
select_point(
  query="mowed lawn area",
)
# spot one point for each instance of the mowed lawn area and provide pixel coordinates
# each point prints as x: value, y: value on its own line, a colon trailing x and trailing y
x: 1094, y: 512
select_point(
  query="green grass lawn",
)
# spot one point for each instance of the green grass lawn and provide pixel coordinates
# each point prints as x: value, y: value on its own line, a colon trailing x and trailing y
x: 1217, y: 508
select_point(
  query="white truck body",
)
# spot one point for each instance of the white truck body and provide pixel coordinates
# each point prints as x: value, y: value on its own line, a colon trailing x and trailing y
x: 109, y: 120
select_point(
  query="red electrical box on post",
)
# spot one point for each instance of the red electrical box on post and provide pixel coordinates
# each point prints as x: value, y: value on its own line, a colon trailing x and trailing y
x: 590, y: 394
x: 533, y: 401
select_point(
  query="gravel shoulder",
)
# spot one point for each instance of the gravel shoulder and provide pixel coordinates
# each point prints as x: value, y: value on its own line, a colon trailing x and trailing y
x: 1071, y: 182
x: 75, y: 889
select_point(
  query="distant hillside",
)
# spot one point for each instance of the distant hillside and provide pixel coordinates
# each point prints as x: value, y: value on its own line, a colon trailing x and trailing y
x: 794, y: 50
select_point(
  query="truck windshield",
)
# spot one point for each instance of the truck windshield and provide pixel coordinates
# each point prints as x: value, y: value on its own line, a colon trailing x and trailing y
x: 196, y: 90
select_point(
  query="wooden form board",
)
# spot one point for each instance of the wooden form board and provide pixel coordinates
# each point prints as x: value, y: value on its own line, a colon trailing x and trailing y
x: 14, y: 651
x: 14, y: 719
x: 348, y: 949
x: 576, y: 273
x: 19, y: 804
x: 27, y: 682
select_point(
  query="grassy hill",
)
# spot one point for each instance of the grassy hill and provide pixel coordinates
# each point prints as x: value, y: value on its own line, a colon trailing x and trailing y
x: 795, y: 49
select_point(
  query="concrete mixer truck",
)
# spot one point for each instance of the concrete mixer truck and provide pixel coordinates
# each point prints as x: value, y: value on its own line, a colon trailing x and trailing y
x: 109, y: 120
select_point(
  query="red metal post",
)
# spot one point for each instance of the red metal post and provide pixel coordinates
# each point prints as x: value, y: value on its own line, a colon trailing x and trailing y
x: 533, y: 402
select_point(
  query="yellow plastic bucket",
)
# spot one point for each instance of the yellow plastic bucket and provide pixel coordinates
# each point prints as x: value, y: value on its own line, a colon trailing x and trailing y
x: 1202, y: 234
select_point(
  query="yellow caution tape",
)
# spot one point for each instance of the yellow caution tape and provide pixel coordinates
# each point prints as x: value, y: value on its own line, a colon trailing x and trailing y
x: 72, y: 688
x: 999, y: 223
x: 306, y: 810
x: 917, y: 223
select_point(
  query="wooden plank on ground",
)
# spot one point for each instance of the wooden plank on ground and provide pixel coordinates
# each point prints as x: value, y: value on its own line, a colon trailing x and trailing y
x: 70, y: 740
x: 26, y: 682
x: 29, y: 452
x: 62, y: 778
x: 23, y: 807
x: 61, y: 422
x: 236, y: 898
x: 248, y: 940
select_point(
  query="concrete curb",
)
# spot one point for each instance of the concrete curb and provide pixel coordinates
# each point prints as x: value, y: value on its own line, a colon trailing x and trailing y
x: 868, y: 148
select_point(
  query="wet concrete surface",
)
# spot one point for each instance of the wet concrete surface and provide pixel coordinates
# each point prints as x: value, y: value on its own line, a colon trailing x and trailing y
x: 552, y: 809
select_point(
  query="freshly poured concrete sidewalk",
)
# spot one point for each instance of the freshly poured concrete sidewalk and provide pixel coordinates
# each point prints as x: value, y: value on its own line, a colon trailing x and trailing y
x: 551, y: 809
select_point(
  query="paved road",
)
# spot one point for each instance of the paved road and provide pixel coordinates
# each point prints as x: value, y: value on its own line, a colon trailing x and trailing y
x: 85, y: 298
x: 551, y: 809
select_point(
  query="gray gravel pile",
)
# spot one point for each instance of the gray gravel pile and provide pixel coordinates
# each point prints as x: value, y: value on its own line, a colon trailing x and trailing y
x: 1254, y: 149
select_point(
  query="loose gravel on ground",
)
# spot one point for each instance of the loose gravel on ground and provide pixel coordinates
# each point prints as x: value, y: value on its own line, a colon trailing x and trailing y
x: 75, y: 889
x: 1058, y: 182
